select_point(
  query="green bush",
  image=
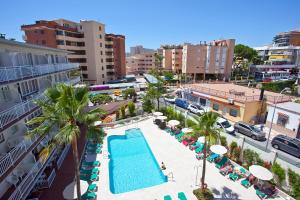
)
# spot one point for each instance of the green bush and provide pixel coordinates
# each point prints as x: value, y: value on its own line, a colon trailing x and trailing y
x: 205, y: 194
x: 279, y: 172
x: 101, y: 98
x: 232, y: 146
x: 251, y: 157
x: 130, y: 92
x: 147, y: 105
x: 131, y: 108
x: 123, y: 112
x: 223, y: 141
x: 280, y: 85
x: 190, y: 123
x: 236, y: 153
x: 117, y: 114
x: 294, y: 182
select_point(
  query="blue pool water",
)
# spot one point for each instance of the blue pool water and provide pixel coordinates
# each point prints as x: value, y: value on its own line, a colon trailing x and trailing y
x: 132, y: 164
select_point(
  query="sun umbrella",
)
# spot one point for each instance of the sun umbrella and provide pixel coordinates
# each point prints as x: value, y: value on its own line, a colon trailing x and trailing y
x: 218, y: 149
x: 97, y: 123
x: 162, y: 117
x: 201, y: 139
x: 70, y: 192
x: 156, y: 114
x: 260, y: 172
x: 187, y: 130
x: 173, y: 122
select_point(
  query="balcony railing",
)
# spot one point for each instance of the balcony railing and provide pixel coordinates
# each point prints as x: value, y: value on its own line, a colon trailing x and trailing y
x: 63, y: 156
x: 9, y: 159
x: 46, y: 182
x: 17, y: 111
x: 73, y: 81
x: 24, y: 188
x: 9, y: 74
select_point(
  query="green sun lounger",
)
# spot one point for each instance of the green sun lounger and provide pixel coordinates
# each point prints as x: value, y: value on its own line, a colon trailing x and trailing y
x: 91, y: 177
x: 200, y: 149
x: 89, y: 171
x: 181, y: 196
x: 179, y: 135
x: 92, y: 187
x: 89, y: 195
x: 212, y: 157
x: 93, y: 163
x: 94, y: 151
x: 261, y: 195
x: 246, y: 183
x: 222, y: 162
x: 234, y: 176
x: 167, y: 197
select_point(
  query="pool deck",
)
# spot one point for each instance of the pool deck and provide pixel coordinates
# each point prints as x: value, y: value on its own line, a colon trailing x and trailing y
x: 180, y: 161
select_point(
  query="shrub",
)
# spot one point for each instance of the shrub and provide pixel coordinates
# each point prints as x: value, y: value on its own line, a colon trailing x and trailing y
x: 279, y: 172
x: 294, y: 182
x: 280, y: 85
x: 232, y: 146
x: 236, y: 153
x: 251, y: 157
x: 190, y: 123
x: 101, y: 98
x: 131, y: 108
x: 205, y: 194
x: 148, y: 105
x: 130, y: 92
x: 123, y: 114
x: 223, y: 141
x: 117, y: 114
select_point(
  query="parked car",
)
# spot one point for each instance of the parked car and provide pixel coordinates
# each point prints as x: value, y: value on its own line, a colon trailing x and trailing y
x: 196, y: 109
x: 287, y: 144
x: 181, y: 103
x: 225, y: 125
x: 249, y: 130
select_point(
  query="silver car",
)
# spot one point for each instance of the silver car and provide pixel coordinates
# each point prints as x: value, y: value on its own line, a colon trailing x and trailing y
x: 249, y: 130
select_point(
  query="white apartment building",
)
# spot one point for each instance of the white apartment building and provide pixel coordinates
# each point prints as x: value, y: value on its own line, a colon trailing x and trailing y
x: 26, y: 70
x: 140, y: 63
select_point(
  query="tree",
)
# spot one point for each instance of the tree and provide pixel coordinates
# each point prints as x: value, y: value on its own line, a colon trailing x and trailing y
x: 131, y: 108
x: 155, y: 91
x: 65, y: 108
x: 147, y: 104
x: 130, y: 92
x: 206, y: 126
x: 168, y: 75
x: 158, y: 60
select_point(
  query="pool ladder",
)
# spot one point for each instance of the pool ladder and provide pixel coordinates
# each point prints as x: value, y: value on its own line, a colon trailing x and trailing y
x: 170, y: 176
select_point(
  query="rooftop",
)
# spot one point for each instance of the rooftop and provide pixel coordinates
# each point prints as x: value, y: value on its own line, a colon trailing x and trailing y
x: 290, y: 106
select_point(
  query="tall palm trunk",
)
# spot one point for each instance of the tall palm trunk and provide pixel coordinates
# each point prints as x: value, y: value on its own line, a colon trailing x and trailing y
x: 204, y: 165
x: 76, y: 160
x: 157, y: 103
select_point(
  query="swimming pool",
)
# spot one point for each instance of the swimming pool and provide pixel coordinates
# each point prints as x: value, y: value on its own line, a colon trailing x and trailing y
x: 132, y: 164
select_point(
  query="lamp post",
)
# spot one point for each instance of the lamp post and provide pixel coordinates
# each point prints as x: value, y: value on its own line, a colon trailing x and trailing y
x: 288, y: 90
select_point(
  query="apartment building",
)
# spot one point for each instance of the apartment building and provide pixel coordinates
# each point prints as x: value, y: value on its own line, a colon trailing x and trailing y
x: 290, y: 38
x: 89, y: 44
x: 139, y: 49
x: 140, y: 63
x: 212, y: 60
x: 115, y: 56
x: 26, y: 70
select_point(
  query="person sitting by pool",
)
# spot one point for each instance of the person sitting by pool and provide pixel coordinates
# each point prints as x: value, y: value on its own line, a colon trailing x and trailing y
x: 163, y: 167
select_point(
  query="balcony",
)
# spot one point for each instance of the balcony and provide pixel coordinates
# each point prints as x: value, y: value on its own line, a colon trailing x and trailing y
x: 11, y: 74
x: 27, y: 184
x: 73, y: 81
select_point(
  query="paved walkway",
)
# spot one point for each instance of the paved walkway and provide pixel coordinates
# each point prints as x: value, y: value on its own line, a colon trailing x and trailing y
x: 180, y: 161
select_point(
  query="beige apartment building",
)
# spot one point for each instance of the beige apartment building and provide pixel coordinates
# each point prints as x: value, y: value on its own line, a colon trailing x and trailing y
x: 140, y: 63
x: 101, y: 56
x: 212, y: 60
x: 172, y: 57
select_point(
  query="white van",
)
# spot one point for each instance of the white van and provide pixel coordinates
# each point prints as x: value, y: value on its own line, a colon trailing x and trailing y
x: 225, y: 125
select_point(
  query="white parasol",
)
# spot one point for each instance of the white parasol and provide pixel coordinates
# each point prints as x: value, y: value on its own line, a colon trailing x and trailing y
x: 187, y: 130
x: 218, y: 149
x: 156, y: 114
x: 97, y: 123
x: 70, y: 192
x: 260, y: 172
x: 162, y: 117
x: 201, y: 139
x: 173, y: 122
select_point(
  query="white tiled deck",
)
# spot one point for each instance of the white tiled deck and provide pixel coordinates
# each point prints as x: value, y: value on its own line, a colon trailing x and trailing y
x: 180, y: 161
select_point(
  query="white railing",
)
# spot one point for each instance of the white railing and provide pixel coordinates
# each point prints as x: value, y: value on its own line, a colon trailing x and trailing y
x: 23, y: 72
x: 11, y: 157
x: 73, y: 81
x: 24, y: 188
x: 63, y: 156
x: 45, y: 183
x: 13, y: 113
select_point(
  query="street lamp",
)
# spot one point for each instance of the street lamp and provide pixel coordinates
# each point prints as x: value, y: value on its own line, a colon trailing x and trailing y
x: 287, y: 90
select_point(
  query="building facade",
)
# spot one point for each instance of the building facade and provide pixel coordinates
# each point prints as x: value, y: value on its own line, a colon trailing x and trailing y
x: 88, y: 42
x: 140, y: 63
x: 202, y: 61
x: 290, y: 38
x: 26, y: 71
x: 139, y: 49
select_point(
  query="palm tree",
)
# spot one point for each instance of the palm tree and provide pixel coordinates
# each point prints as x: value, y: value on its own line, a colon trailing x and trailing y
x: 66, y: 108
x: 158, y: 60
x: 206, y: 127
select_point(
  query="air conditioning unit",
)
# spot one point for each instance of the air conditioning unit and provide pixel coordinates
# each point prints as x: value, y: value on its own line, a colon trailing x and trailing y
x: 230, y: 101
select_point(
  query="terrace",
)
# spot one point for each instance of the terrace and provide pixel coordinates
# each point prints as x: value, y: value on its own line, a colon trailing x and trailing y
x: 236, y: 92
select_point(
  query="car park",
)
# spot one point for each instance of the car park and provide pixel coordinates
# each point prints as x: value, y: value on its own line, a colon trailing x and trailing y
x: 181, y: 103
x: 249, y: 130
x: 287, y: 144
x: 225, y: 125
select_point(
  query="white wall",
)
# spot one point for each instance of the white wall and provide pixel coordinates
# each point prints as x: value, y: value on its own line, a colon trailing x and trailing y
x: 293, y: 122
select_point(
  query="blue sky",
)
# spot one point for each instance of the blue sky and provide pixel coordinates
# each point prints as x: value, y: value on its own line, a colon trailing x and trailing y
x: 156, y: 22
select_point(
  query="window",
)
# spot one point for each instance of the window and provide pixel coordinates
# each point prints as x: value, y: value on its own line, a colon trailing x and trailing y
x: 58, y: 32
x: 282, y: 119
x: 83, y: 68
x: 233, y: 112
x: 102, y: 75
x: 100, y: 28
x: 100, y: 44
x: 100, y: 36
x: 42, y: 31
x: 202, y: 102
x: 101, y: 53
x: 101, y: 60
x: 244, y: 126
x: 84, y: 75
x: 60, y: 42
x: 216, y: 107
